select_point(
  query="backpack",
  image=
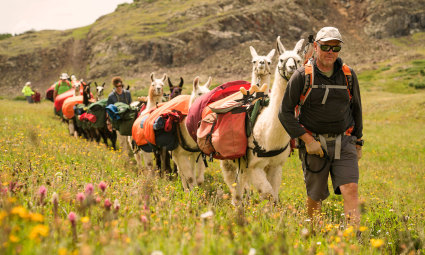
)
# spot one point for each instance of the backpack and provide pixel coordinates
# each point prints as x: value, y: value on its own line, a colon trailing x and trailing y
x: 99, y: 110
x: 222, y: 133
x: 68, y: 106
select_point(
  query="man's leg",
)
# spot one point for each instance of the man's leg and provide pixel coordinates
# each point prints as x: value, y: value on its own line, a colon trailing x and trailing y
x: 350, y: 194
x: 313, y: 207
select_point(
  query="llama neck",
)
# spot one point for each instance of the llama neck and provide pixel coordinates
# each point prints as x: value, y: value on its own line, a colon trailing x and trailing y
x: 262, y: 79
x: 268, y: 130
x: 152, y: 101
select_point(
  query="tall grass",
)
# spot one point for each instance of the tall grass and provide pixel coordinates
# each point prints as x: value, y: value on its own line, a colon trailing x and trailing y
x: 155, y: 214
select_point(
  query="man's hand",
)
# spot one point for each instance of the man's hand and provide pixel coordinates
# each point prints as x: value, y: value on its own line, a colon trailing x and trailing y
x: 314, y: 147
x: 359, y: 152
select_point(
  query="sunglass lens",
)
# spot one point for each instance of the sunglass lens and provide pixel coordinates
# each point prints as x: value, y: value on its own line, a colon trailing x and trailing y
x: 325, y: 47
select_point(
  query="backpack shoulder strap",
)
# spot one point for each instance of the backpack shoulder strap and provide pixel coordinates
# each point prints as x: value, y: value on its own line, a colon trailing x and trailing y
x: 309, y: 79
x: 348, y: 78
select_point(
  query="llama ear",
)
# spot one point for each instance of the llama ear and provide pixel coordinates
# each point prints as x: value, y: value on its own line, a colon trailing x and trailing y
x: 152, y: 76
x: 253, y: 52
x: 271, y: 54
x: 103, y: 85
x: 280, y: 47
x: 208, y: 84
x: 195, y: 83
x: 95, y: 83
x: 298, y: 47
x: 164, y: 77
x: 170, y: 84
x: 181, y: 82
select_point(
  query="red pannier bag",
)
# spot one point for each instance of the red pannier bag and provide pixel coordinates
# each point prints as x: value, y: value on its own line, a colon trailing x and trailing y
x: 194, y: 115
x: 222, y: 133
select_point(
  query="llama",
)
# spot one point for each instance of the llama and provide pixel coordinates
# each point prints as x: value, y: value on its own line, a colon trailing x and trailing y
x: 261, y: 68
x: 72, y: 127
x: 175, y: 90
x: 265, y: 173
x: 156, y: 91
x: 99, y: 91
x: 191, y: 172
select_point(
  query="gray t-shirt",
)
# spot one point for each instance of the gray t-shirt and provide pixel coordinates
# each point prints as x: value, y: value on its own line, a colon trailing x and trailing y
x: 124, y: 97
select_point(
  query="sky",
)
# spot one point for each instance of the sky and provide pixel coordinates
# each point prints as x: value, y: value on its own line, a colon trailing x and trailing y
x: 18, y: 16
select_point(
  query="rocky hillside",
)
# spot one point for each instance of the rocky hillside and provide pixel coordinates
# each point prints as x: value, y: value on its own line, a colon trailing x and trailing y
x: 205, y: 38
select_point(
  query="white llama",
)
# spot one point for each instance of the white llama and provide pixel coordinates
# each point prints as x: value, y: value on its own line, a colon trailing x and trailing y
x: 72, y: 122
x: 155, y: 94
x: 261, y: 68
x: 190, y: 171
x: 265, y: 173
x: 99, y: 91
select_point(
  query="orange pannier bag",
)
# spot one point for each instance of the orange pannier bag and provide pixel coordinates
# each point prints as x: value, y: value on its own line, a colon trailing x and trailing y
x: 137, y: 131
x: 179, y: 103
x: 68, y: 106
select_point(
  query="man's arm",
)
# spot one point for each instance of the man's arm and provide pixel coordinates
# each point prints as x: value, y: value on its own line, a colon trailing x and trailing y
x: 356, y: 108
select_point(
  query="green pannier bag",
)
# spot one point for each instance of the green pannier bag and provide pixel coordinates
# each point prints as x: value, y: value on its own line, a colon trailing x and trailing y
x: 127, y: 115
x: 99, y: 110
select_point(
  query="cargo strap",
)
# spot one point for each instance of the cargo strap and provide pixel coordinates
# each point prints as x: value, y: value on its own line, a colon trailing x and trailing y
x: 323, y: 139
x: 327, y: 87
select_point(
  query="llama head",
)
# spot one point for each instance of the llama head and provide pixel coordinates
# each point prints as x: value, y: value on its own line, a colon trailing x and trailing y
x: 157, y: 86
x: 261, y: 64
x: 289, y: 60
x: 77, y: 86
x: 99, y: 90
x: 199, y: 90
x: 175, y: 90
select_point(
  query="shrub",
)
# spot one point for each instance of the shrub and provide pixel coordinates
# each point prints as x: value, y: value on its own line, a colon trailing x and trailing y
x: 417, y: 84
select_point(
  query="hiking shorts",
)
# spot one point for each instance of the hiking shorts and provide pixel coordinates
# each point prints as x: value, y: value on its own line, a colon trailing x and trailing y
x: 343, y: 171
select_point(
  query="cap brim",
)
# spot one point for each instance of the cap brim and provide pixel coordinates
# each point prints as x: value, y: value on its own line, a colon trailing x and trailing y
x: 331, y: 39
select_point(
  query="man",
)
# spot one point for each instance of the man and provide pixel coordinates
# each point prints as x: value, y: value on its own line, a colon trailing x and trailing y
x: 62, y: 86
x: 27, y: 91
x: 329, y: 125
x: 119, y: 94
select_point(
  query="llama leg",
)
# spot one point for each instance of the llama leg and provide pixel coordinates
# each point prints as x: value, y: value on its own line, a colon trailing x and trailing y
x: 228, y: 170
x: 199, y: 169
x: 138, y: 157
x: 274, y: 176
x: 71, y: 127
x: 259, y: 180
x: 148, y: 159
x: 181, y: 157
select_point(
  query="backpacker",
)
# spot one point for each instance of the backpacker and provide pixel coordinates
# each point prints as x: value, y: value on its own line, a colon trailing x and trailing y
x: 309, y: 85
x: 194, y: 115
x: 222, y: 133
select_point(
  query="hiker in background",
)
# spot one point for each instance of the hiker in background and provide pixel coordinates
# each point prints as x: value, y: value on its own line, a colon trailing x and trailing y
x: 36, y: 97
x: 119, y: 94
x: 62, y: 86
x: 329, y: 125
x: 28, y: 92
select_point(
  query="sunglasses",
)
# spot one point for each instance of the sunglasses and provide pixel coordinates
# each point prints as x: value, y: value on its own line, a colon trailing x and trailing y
x: 327, y: 48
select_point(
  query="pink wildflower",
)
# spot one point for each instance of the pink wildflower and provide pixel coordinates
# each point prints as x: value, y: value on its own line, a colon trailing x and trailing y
x: 89, y: 189
x: 72, y: 217
x: 98, y: 199
x: 80, y: 197
x: 102, y: 186
x: 107, y: 204
x: 143, y: 218
x: 42, y: 191
x: 116, y: 205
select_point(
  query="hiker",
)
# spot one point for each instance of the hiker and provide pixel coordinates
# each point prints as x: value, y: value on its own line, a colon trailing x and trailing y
x: 62, y: 86
x: 329, y: 125
x: 27, y: 91
x: 119, y: 94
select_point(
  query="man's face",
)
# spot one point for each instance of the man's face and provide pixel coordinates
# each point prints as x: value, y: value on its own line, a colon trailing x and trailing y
x: 119, y: 87
x: 326, y: 56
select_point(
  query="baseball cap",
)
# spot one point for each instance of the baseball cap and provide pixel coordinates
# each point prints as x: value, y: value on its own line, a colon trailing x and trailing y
x: 328, y: 34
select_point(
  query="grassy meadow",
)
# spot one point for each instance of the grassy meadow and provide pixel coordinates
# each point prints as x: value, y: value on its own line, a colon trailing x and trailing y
x: 62, y: 195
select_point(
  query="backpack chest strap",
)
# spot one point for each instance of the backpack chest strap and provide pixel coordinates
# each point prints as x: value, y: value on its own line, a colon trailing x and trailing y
x: 327, y: 87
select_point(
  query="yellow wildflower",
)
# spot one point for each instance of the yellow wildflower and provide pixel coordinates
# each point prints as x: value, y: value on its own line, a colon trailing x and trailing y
x: 39, y: 230
x: 85, y: 219
x: 376, y: 243
x: 13, y: 239
x: 234, y: 184
x: 36, y: 217
x: 348, y: 231
x: 3, y: 214
x: 62, y: 251
x: 19, y: 210
x: 362, y: 228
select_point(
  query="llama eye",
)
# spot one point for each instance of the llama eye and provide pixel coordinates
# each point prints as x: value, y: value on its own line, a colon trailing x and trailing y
x: 268, y: 62
x: 199, y: 94
x: 253, y: 61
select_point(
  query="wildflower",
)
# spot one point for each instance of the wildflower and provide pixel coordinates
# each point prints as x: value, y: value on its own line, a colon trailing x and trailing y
x: 107, y: 204
x: 98, y: 199
x: 362, y: 228
x: 3, y: 214
x: 19, y: 210
x: 85, y: 219
x: 348, y: 231
x: 36, y: 217
x: 207, y: 215
x: 62, y: 251
x: 72, y: 217
x: 42, y: 193
x: 89, y: 189
x: 39, y: 231
x: 55, y: 202
x: 102, y: 186
x: 376, y: 243
x: 80, y: 197
x: 116, y: 205
x: 143, y: 218
x: 13, y: 239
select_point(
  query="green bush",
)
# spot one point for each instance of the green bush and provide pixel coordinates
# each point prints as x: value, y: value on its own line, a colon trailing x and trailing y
x: 5, y: 36
x: 417, y: 84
